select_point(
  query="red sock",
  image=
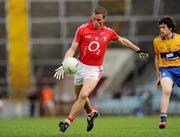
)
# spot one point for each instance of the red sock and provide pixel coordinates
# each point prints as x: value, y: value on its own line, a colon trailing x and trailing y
x: 91, y: 113
x: 69, y: 120
x: 89, y: 110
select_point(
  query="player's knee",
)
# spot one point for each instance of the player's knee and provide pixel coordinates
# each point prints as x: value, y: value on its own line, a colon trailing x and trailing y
x: 167, y: 92
x: 83, y: 95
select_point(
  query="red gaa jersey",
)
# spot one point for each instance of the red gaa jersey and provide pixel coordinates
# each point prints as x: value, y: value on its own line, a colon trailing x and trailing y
x: 93, y: 43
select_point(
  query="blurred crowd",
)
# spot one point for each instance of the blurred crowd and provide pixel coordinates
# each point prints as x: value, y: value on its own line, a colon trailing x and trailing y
x: 44, y: 98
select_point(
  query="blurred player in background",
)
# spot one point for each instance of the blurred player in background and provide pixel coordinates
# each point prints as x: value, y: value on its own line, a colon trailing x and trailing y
x: 91, y: 39
x: 47, y: 101
x: 167, y: 62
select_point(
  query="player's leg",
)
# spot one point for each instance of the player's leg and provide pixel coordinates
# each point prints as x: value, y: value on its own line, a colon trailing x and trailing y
x: 92, y: 114
x: 88, y: 108
x: 88, y: 86
x: 78, y: 82
x: 166, y: 84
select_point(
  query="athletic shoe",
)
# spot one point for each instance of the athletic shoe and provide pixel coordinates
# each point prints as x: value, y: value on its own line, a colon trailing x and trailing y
x: 162, y: 125
x: 63, y: 126
x: 90, y: 121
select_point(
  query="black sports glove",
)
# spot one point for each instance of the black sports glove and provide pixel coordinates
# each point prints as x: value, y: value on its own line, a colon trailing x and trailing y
x: 142, y: 54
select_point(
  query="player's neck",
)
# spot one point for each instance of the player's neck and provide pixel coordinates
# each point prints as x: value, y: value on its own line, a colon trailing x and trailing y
x: 98, y: 28
x: 169, y: 36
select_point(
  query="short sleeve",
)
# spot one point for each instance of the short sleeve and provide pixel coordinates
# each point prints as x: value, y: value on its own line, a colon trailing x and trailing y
x: 114, y: 36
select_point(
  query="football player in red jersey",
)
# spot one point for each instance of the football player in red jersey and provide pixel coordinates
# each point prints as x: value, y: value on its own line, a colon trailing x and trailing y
x: 91, y: 39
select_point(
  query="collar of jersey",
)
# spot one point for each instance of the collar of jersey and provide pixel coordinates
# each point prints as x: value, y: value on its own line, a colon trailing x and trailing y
x: 172, y: 37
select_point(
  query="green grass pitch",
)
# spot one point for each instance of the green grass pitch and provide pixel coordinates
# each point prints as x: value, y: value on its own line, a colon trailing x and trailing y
x: 105, y: 126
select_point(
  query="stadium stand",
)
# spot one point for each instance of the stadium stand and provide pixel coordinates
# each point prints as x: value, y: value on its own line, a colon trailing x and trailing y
x: 52, y: 26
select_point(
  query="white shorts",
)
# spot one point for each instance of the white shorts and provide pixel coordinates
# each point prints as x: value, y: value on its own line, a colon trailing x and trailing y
x: 86, y: 71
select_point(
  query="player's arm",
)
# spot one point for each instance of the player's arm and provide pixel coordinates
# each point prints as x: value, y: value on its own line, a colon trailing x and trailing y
x: 71, y: 51
x: 127, y: 43
x: 157, y: 66
x: 156, y: 61
x: 59, y: 72
x: 158, y: 84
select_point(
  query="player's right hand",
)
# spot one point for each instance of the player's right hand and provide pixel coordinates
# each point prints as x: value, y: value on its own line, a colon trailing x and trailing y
x: 59, y: 73
x: 158, y: 83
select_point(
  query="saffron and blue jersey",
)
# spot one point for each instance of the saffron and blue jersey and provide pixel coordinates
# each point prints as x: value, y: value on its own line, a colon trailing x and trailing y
x: 168, y: 53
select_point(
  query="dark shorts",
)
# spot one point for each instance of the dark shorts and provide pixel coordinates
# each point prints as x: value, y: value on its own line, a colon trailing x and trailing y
x: 171, y: 72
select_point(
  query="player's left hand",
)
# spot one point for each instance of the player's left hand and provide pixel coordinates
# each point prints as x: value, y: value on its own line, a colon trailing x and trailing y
x: 142, y: 54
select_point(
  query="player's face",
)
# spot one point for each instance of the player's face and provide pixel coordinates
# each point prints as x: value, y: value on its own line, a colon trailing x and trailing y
x: 98, y: 20
x: 164, y: 30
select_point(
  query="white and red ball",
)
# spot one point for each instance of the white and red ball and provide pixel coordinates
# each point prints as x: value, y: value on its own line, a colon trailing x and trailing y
x: 70, y: 65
